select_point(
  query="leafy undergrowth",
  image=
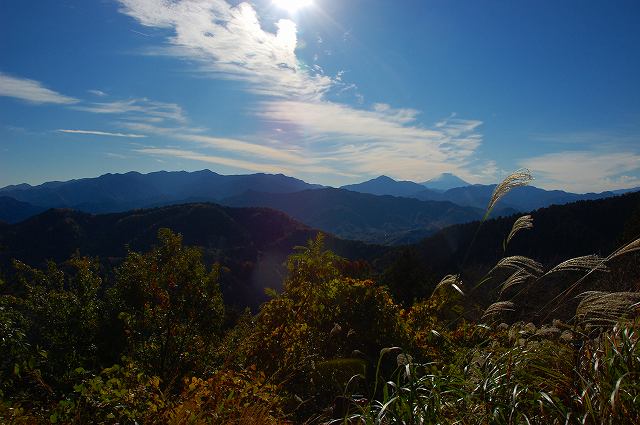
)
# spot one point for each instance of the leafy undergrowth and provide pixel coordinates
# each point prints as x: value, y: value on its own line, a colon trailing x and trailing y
x: 526, y: 379
x: 152, y: 343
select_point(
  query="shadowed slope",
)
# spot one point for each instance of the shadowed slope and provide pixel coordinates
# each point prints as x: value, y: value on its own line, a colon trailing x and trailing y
x: 252, y: 242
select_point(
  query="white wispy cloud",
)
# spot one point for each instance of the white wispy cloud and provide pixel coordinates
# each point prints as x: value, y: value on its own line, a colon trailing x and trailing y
x: 98, y: 93
x: 229, y: 41
x: 382, y: 139
x: 142, y: 109
x: 213, y: 159
x: 401, y: 115
x: 280, y: 153
x: 115, y: 155
x: 138, y: 108
x: 338, y: 141
x: 291, y: 157
x: 585, y: 171
x: 31, y: 91
x: 102, y: 133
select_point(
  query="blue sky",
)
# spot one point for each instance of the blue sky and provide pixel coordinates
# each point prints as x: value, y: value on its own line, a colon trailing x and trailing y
x: 334, y: 93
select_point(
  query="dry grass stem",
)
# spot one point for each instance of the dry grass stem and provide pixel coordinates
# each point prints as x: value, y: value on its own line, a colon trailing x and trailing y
x: 452, y: 280
x: 519, y: 262
x: 586, y: 294
x: 497, y: 308
x: 522, y: 223
x: 588, y: 262
x: 606, y: 308
x: 518, y: 178
x: 517, y: 278
x: 630, y: 247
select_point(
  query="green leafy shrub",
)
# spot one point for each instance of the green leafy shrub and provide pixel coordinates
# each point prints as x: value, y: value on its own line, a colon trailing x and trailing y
x: 171, y: 307
x: 52, y: 326
x: 118, y: 394
x: 321, y: 316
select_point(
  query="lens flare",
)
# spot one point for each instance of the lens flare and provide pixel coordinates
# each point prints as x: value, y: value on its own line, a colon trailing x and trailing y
x: 292, y: 6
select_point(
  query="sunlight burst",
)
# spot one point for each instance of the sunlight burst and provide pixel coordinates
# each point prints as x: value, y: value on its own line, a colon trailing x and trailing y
x: 292, y: 6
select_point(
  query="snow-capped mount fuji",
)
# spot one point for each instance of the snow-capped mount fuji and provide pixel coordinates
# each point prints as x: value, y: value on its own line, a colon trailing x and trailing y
x: 444, y: 182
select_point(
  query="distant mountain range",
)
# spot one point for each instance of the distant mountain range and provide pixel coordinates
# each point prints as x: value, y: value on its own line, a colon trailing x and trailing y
x: 121, y: 192
x: 363, y: 211
x: 384, y: 185
x: 521, y: 199
x: 559, y: 232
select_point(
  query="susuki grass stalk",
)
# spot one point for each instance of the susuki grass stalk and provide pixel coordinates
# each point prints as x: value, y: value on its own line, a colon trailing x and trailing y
x: 521, y: 223
x: 518, y: 178
x: 633, y: 246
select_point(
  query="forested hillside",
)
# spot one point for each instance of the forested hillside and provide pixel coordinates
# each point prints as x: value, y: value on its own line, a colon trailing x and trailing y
x: 251, y: 243
x: 13, y: 211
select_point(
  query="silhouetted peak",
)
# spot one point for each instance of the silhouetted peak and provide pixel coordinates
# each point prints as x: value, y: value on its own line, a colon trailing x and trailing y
x: 382, y: 178
x: 20, y: 186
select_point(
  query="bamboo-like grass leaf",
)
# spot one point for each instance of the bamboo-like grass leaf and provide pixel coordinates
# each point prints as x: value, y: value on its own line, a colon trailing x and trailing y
x: 616, y: 389
x: 522, y: 223
x: 518, y: 178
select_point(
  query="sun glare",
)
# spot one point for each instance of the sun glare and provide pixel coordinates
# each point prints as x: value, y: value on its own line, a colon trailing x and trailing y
x: 292, y: 6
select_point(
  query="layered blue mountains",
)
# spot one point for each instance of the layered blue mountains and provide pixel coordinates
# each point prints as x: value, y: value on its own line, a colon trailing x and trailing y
x: 380, y: 211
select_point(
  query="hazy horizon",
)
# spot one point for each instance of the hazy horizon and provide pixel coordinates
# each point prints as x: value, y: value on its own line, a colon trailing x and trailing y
x: 533, y: 183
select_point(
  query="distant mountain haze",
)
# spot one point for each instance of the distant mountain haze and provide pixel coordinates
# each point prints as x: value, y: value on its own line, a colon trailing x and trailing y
x: 384, y: 185
x: 13, y: 211
x: 522, y: 199
x: 390, y: 213
x: 254, y: 242
x: 121, y: 192
x: 559, y: 232
x: 362, y: 216
x: 450, y: 188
